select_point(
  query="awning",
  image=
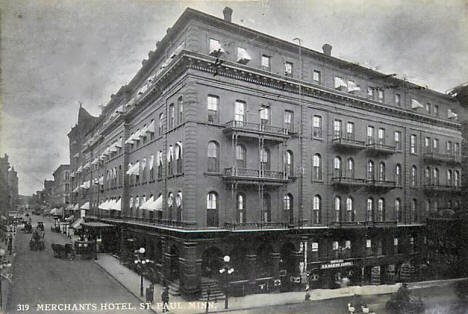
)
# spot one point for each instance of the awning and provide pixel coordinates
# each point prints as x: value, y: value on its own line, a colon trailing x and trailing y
x: 69, y: 207
x: 117, y: 205
x: 53, y: 211
x: 158, y: 204
x: 85, y: 206
x: 77, y: 207
x: 77, y: 223
x: 451, y: 114
x: 70, y: 218
x: 151, y: 127
x: 353, y: 87
x: 340, y: 83
x: 151, y: 162
x: 79, y: 169
x: 104, y: 205
x: 242, y: 56
x: 96, y: 224
x: 147, y: 204
x: 416, y: 104
x: 134, y: 170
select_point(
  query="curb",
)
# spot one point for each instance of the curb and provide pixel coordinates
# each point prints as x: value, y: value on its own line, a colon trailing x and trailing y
x: 125, y: 287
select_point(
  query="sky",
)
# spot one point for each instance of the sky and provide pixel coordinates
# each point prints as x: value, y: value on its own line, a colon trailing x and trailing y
x: 57, y: 53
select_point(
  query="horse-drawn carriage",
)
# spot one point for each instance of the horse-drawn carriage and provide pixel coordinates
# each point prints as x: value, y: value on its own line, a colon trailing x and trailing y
x: 63, y: 250
x: 37, y: 241
x: 27, y: 227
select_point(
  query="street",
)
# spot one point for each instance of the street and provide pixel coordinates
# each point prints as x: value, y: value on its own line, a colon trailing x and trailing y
x: 437, y: 300
x: 40, y: 280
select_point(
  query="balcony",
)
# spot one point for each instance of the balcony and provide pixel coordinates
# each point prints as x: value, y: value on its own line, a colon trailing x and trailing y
x: 439, y: 157
x: 439, y: 188
x: 347, y: 181
x: 256, y: 225
x: 254, y: 176
x: 250, y: 129
x: 381, y: 148
x: 347, y: 142
x: 380, y: 184
x: 363, y: 224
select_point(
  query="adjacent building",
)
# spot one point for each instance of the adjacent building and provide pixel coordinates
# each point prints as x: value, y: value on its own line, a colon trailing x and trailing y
x: 231, y: 142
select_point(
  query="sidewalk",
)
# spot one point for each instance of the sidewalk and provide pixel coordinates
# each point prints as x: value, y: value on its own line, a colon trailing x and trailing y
x: 131, y: 281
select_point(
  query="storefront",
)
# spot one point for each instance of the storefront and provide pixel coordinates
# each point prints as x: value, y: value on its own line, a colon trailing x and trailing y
x: 106, y: 236
x: 334, y: 274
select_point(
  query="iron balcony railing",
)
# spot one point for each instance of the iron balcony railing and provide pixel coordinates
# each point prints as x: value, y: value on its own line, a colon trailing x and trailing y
x: 378, y: 183
x: 257, y: 127
x: 366, y: 224
x: 347, y: 141
x: 255, y: 173
x: 436, y: 156
x: 343, y: 180
x: 380, y: 147
x: 442, y: 188
x: 255, y: 225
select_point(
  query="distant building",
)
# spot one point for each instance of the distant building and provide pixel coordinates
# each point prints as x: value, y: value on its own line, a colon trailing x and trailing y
x: 61, y: 190
x: 232, y: 142
x: 48, y: 191
x: 8, y: 186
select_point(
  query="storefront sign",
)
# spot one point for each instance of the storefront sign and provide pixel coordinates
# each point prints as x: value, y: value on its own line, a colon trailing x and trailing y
x: 336, y: 264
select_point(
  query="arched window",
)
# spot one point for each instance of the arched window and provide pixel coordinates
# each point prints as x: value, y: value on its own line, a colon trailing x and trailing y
x: 212, y: 209
x: 382, y: 171
x: 316, y: 209
x: 398, y: 213
x: 381, y: 210
x: 414, y: 211
x: 317, y: 167
x: 398, y: 177
x: 171, y: 115
x: 170, y: 204
x: 337, y: 166
x: 289, y: 163
x: 213, y: 156
x: 170, y: 160
x: 449, y: 177
x: 178, y: 157
x: 161, y: 123
x: 266, y: 207
x: 349, y: 209
x: 241, y: 161
x: 265, y: 159
x: 180, y: 105
x: 370, y: 209
x: 288, y: 206
x: 435, y: 176
x: 240, y: 205
x: 457, y: 178
x: 414, y: 176
x: 179, y: 205
x: 427, y: 176
x: 370, y: 170
x: 427, y: 206
x: 337, y: 209
x: 350, y: 167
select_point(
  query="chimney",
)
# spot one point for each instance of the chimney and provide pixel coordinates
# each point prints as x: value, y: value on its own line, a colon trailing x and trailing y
x: 227, y: 14
x: 327, y: 49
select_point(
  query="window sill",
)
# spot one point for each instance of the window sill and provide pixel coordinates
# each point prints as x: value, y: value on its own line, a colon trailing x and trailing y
x: 317, y: 181
x: 317, y: 138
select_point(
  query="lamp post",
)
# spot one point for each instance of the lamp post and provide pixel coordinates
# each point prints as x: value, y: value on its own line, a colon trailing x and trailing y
x: 140, y: 260
x: 226, y: 270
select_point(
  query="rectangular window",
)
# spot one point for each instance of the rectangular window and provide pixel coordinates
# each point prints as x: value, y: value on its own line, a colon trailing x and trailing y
x: 213, y: 104
x: 335, y: 245
x: 397, y: 100
x: 239, y: 111
x: 370, y: 92
x: 288, y: 68
x: 350, y: 130
x: 449, y: 147
x: 368, y: 243
x: 381, y: 136
x: 380, y: 94
x: 264, y: 116
x: 348, y: 244
x: 398, y: 139
x: 413, y: 149
x: 370, y: 135
x: 266, y: 62
x: 428, y: 108
x: 289, y: 121
x: 436, y: 110
x: 456, y: 149
x: 435, y: 145
x: 427, y: 144
x: 337, y: 129
x: 315, y: 247
x: 317, y: 126
x: 317, y: 76
x: 215, y: 46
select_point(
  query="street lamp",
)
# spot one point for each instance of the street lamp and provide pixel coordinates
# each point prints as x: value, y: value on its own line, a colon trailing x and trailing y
x: 3, y: 264
x: 226, y: 270
x: 140, y: 260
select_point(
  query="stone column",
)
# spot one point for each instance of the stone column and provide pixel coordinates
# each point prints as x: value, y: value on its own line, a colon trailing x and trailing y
x: 251, y: 271
x: 190, y: 269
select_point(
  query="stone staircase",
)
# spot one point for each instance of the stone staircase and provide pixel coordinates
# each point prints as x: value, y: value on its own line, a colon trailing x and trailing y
x: 215, y: 291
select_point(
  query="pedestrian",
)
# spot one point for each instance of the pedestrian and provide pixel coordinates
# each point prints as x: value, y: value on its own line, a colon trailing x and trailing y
x: 165, y: 300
